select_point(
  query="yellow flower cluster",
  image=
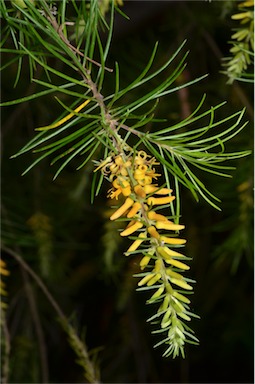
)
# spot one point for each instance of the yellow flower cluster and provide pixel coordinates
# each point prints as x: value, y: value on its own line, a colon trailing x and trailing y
x: 132, y: 177
x: 242, y: 40
x: 245, y: 16
x: 3, y: 272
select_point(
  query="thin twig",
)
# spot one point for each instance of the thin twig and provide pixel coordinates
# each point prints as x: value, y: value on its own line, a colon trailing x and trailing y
x: 59, y: 29
x: 7, y: 350
x: 34, y: 313
x: 38, y: 327
x: 90, y: 371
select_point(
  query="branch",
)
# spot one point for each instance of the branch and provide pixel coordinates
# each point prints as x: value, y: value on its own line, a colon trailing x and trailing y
x: 89, y: 369
x: 38, y: 326
x: 7, y: 350
x: 59, y: 29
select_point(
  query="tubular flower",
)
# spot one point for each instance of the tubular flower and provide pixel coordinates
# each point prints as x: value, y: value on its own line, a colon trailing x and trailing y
x: 132, y: 176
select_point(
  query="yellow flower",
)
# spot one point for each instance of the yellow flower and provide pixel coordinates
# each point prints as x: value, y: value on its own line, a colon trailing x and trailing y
x: 135, y: 208
x: 248, y: 3
x: 133, y: 228
x: 166, y: 318
x: 143, y: 158
x: 157, y: 294
x: 137, y: 243
x: 168, y: 225
x: 240, y: 35
x: 155, y: 189
x: 184, y: 316
x: 160, y: 200
x: 139, y: 191
x: 3, y: 270
x: 165, y: 303
x: 128, y: 203
x: 179, y: 296
x: 153, y: 232
x: 167, y: 253
x: 243, y: 15
x: 149, y: 279
x: 156, y: 216
x: 145, y: 261
x: 154, y: 279
x: 177, y: 263
x: 145, y: 279
x: 172, y: 240
x: 181, y: 283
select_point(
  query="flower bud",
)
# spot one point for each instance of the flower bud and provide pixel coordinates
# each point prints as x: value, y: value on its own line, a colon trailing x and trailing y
x: 154, y: 279
x: 160, y: 200
x: 177, y: 264
x: 139, y: 191
x: 179, y: 296
x: 157, y: 294
x: 169, y: 253
x: 166, y: 319
x: 156, y: 216
x: 181, y: 283
x: 137, y: 243
x: 135, y: 208
x: 145, y: 261
x: 157, y: 190
x: 128, y: 203
x: 168, y: 225
x: 153, y: 232
x: 145, y: 279
x: 172, y: 240
x: 128, y: 231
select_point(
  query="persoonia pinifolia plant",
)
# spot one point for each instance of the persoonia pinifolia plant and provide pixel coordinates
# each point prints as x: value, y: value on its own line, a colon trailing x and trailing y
x: 132, y: 174
x: 134, y: 161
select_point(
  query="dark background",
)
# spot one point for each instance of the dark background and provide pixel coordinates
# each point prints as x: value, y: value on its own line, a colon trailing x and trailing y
x: 80, y: 255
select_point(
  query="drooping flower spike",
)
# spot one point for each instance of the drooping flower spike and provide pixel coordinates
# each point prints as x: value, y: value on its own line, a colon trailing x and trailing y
x: 132, y: 177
